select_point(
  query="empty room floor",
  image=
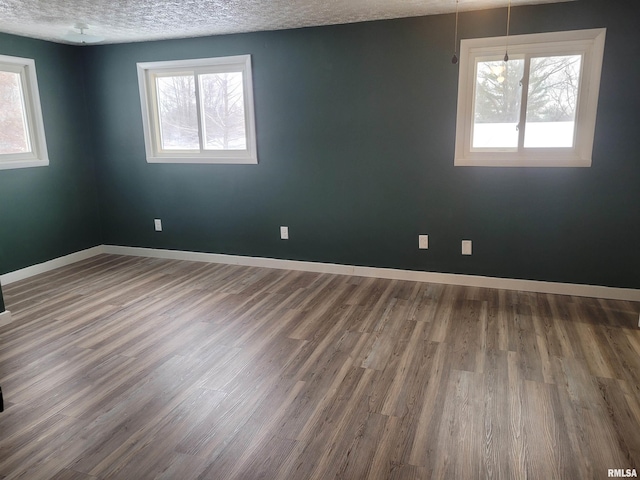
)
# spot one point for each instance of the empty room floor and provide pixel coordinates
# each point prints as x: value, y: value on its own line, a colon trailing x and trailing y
x: 137, y: 368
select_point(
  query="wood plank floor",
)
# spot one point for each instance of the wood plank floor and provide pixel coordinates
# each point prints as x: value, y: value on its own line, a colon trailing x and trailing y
x: 134, y: 368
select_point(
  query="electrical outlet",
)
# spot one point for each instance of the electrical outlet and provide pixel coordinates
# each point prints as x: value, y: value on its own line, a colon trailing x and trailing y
x: 157, y: 223
x: 466, y: 247
x: 284, y: 233
x: 423, y: 242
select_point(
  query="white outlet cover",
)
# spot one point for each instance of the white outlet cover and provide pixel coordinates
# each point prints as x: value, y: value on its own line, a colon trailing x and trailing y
x: 466, y: 247
x: 423, y: 242
x: 284, y: 233
x: 157, y: 223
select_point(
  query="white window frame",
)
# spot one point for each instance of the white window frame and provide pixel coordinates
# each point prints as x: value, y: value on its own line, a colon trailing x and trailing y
x: 147, y: 72
x: 38, y: 156
x: 588, y: 43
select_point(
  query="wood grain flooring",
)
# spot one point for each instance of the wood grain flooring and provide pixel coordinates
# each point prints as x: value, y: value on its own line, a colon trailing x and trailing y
x: 135, y: 368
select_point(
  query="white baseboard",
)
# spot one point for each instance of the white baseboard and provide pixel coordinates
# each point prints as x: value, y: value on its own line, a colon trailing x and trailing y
x: 389, y: 273
x: 33, y: 270
x: 578, y: 290
x: 315, y: 267
x: 5, y: 318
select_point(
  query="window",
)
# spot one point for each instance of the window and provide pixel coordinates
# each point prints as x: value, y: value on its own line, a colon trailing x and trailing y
x: 22, y: 141
x: 538, y: 109
x: 198, y: 111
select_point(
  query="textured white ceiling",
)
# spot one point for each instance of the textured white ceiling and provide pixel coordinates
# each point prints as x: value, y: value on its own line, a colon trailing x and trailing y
x: 138, y: 20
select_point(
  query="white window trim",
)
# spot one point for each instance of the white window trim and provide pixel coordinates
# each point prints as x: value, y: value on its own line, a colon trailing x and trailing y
x: 39, y: 155
x: 239, y: 63
x: 590, y: 43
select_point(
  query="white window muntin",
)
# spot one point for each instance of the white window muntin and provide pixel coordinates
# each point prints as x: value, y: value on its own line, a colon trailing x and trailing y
x: 589, y: 44
x: 37, y: 154
x: 147, y: 74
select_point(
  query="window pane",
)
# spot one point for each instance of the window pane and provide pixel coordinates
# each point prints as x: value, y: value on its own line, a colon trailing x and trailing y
x: 497, y: 103
x: 552, y: 100
x: 222, y: 98
x: 177, y: 112
x: 14, y: 136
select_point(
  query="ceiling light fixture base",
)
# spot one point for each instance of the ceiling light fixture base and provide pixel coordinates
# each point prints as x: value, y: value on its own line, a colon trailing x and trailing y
x: 81, y: 37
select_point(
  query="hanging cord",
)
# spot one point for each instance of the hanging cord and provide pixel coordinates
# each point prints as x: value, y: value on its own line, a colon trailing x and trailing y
x: 454, y: 59
x: 506, y: 52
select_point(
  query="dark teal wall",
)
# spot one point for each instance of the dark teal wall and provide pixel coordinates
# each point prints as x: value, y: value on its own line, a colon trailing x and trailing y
x: 356, y: 127
x: 48, y: 212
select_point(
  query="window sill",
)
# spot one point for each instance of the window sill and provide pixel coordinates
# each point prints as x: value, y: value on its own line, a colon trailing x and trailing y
x: 220, y: 160
x: 534, y: 160
x: 11, y: 164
